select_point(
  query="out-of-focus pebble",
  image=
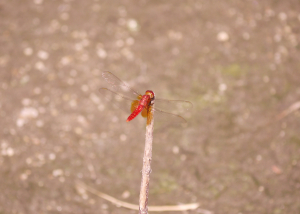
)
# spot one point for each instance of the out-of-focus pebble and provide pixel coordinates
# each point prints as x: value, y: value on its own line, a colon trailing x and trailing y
x: 39, y: 123
x: 223, y: 36
x: 28, y: 51
x: 29, y: 112
x: 65, y: 60
x: 94, y: 98
x: 175, y: 149
x: 10, y: 151
x: 123, y: 137
x: 84, y: 88
x: 132, y: 25
x: 57, y: 172
x: 38, y: 1
x: 43, y: 55
x: 52, y: 156
x: 26, y: 102
x: 78, y: 130
x: 282, y: 16
x: 101, y: 53
x: 125, y: 194
x: 37, y: 90
x: 20, y: 122
x: 40, y: 66
x: 222, y: 87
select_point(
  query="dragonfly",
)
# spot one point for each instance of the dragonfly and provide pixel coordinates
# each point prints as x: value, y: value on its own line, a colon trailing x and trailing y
x: 142, y: 104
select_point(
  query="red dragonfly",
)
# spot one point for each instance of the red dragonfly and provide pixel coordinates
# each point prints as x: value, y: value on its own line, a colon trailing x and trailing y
x: 142, y: 103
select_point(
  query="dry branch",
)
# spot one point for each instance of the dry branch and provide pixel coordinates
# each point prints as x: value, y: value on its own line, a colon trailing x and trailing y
x: 144, y: 191
x: 181, y: 207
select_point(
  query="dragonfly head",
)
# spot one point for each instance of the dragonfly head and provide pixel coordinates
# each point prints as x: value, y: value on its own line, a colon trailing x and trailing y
x: 151, y: 94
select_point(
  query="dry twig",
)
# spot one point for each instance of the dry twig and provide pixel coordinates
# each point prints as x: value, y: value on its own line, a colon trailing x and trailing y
x: 144, y: 191
x: 294, y: 107
x: 181, y: 207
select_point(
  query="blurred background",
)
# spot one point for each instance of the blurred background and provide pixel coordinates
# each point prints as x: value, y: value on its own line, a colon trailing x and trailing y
x: 236, y: 61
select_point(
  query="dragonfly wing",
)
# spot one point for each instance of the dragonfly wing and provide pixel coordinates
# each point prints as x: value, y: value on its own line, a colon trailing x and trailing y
x: 115, y: 100
x: 166, y: 118
x: 117, y: 85
x: 170, y: 112
x: 173, y: 106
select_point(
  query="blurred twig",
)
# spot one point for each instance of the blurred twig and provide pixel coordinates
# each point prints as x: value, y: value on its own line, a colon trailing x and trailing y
x: 117, y: 202
x: 294, y: 107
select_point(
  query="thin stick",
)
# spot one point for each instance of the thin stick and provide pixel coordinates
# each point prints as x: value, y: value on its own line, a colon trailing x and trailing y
x: 181, y: 207
x: 144, y: 192
x: 292, y: 108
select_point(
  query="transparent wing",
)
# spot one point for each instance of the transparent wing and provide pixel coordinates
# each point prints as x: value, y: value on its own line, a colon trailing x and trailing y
x: 173, y: 106
x: 167, y: 118
x: 122, y: 96
x: 114, y: 100
x: 171, y: 112
x: 117, y: 85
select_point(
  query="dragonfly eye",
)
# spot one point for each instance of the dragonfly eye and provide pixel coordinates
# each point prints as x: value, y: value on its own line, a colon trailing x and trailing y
x: 151, y: 94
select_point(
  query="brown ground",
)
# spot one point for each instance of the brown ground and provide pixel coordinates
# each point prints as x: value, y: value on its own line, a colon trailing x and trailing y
x: 237, y: 61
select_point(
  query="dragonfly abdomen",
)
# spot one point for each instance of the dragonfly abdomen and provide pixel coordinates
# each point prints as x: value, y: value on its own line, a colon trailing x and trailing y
x: 135, y: 112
